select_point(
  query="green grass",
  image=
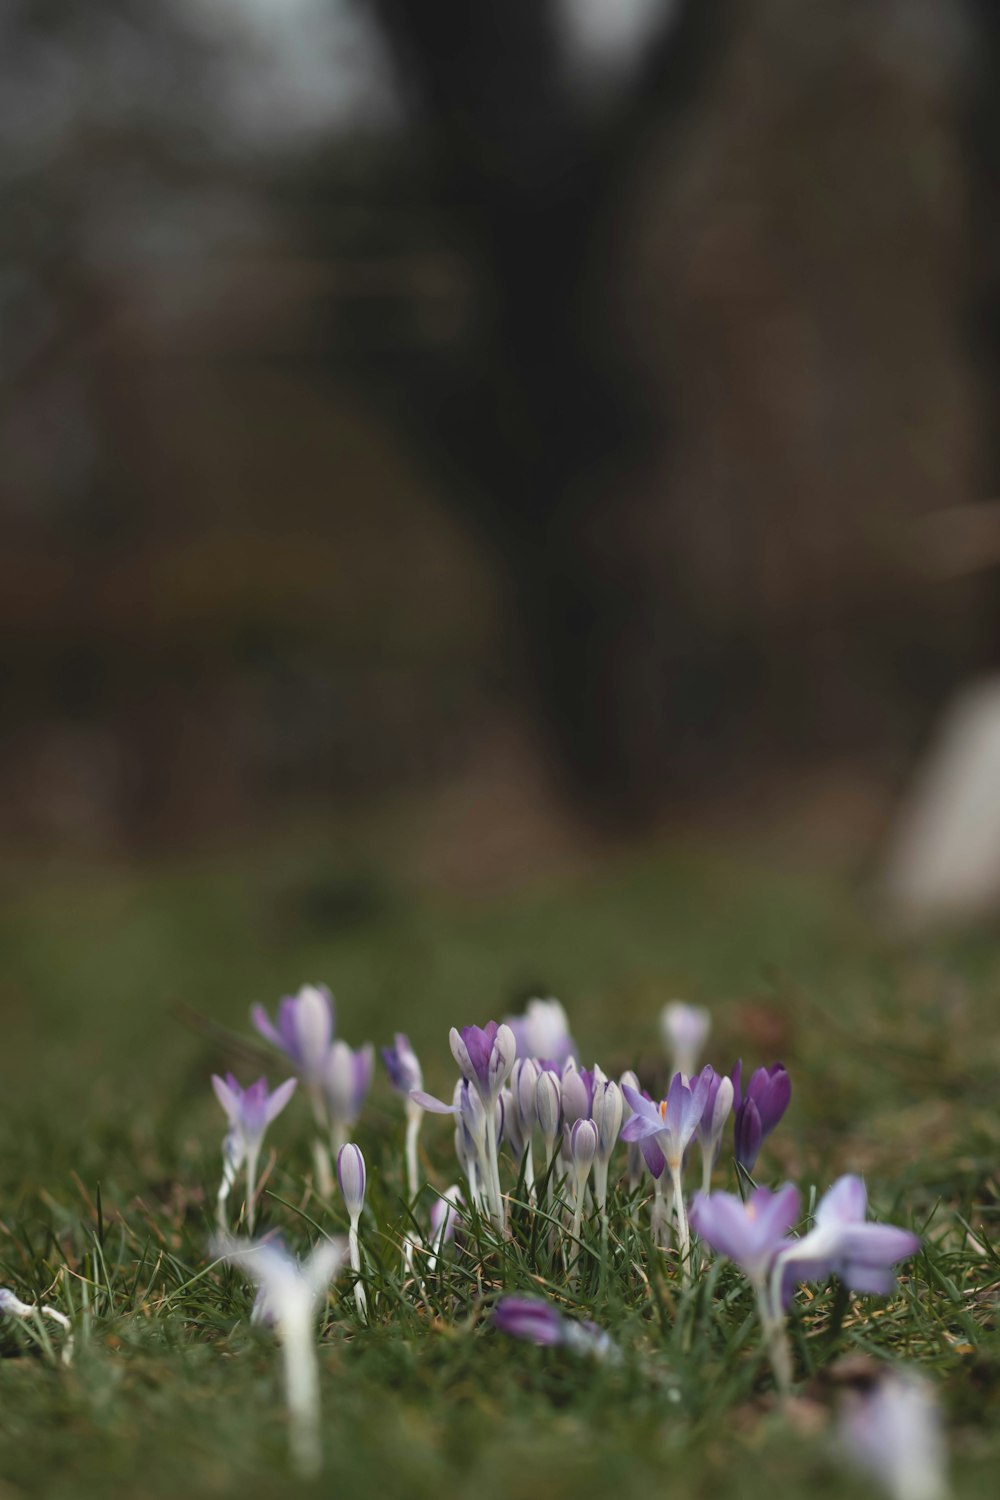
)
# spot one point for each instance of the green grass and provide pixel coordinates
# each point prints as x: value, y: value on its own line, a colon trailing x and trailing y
x: 121, y: 992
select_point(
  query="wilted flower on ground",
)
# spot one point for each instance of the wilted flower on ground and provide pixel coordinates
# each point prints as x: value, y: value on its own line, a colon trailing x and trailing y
x: 290, y: 1297
x: 758, y: 1111
x: 35, y: 1311
x: 346, y: 1081
x: 894, y: 1432
x: 249, y: 1112
x: 538, y: 1322
x: 843, y: 1243
x: 685, y: 1031
x: 304, y: 1033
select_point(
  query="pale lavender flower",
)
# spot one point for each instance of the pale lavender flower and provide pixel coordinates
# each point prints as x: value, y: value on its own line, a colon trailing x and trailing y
x: 402, y: 1066
x: 894, y: 1433
x: 346, y: 1081
x: 752, y: 1234
x: 290, y: 1297
x: 470, y: 1133
x: 843, y: 1243
x: 757, y: 1112
x: 304, y: 1030
x: 685, y: 1031
x: 543, y: 1032
x: 536, y: 1321
x: 352, y: 1177
x: 445, y: 1214
x: 718, y: 1104
x: 249, y: 1112
x: 669, y: 1127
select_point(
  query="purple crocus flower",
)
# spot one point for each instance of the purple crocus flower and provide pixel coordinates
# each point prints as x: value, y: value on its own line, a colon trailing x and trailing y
x: 249, y: 1112
x: 671, y: 1123
x: 346, y: 1081
x: 485, y: 1056
x: 405, y: 1076
x: 304, y: 1029
x: 842, y: 1242
x: 536, y: 1321
x: 758, y: 1111
x: 402, y: 1065
x: 752, y: 1234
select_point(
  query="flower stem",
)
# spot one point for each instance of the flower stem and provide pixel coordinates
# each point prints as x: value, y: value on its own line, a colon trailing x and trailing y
x: 354, y: 1249
x: 414, y: 1114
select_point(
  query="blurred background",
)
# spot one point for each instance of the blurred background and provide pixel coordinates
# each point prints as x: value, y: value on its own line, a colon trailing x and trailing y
x: 529, y: 426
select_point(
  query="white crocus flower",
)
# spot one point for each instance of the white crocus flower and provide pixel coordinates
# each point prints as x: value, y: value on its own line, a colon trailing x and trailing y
x: 685, y: 1031
x: 291, y: 1294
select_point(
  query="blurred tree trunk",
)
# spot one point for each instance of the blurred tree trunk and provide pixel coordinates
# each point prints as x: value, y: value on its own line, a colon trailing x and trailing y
x: 539, y: 424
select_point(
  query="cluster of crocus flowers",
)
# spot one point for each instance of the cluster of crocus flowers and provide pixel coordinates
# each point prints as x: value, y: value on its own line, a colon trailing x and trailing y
x: 521, y: 1081
x: 335, y: 1076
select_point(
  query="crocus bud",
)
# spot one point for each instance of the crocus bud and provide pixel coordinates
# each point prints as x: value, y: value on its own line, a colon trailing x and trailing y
x: 548, y: 1109
x: 402, y: 1065
x: 577, y: 1090
x: 608, y: 1109
x: 523, y: 1083
x: 351, y: 1176
x: 347, y: 1081
x: 583, y: 1146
